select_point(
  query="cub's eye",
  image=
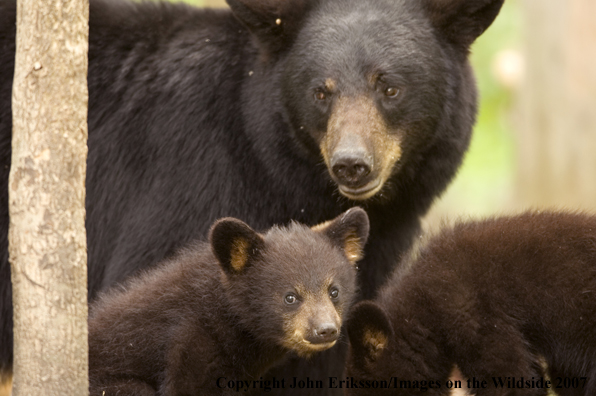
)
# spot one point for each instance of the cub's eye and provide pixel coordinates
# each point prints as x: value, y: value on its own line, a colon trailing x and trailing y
x: 320, y: 95
x: 290, y: 298
x: 391, y: 92
x: 334, y: 293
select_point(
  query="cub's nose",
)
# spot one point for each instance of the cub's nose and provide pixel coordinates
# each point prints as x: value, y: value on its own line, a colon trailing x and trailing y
x: 350, y: 169
x: 325, y: 333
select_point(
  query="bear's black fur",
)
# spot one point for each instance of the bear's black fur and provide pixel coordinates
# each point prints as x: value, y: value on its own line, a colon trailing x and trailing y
x: 226, y: 311
x: 496, y: 297
x: 276, y: 110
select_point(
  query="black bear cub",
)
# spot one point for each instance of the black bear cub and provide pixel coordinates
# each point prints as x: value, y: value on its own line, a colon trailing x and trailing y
x: 500, y: 298
x: 225, y: 311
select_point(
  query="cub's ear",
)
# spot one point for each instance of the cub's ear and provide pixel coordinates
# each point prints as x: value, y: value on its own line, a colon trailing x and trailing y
x: 349, y: 231
x: 462, y: 21
x: 234, y: 244
x: 275, y: 23
x: 369, y: 331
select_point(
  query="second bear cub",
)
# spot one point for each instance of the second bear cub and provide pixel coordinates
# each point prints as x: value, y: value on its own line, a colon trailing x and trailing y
x: 496, y: 297
x: 227, y: 310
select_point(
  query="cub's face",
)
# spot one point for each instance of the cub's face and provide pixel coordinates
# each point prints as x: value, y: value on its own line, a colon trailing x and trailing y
x: 292, y: 286
x: 310, y: 286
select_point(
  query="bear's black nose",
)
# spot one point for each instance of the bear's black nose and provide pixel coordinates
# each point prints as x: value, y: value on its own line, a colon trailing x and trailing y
x: 350, y: 170
x: 326, y: 332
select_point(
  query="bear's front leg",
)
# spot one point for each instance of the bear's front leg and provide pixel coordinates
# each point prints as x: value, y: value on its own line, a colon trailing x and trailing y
x: 497, y: 361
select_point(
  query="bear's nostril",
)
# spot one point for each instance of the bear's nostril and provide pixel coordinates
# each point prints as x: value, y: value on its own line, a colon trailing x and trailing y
x: 361, y: 170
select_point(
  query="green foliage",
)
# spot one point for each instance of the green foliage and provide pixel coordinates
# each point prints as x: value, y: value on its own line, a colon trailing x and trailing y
x: 484, y: 184
x: 198, y: 3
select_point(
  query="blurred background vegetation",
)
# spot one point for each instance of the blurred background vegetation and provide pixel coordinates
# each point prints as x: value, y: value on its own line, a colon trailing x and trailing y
x: 534, y: 145
x: 485, y: 183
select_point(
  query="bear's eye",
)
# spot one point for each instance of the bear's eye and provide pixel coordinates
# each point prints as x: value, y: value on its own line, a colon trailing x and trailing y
x: 391, y: 92
x: 334, y: 293
x: 320, y: 95
x: 290, y: 298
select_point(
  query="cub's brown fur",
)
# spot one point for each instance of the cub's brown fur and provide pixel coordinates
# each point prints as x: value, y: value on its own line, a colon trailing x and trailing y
x: 227, y: 310
x: 494, y: 297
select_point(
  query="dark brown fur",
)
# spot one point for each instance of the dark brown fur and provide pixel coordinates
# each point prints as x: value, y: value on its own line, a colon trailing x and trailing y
x: 217, y: 312
x: 494, y: 297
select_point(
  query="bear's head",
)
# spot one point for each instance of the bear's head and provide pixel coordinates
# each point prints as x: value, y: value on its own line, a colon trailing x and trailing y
x: 373, y: 88
x: 293, y: 285
x: 380, y: 353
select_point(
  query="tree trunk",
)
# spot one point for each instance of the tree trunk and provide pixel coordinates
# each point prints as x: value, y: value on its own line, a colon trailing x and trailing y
x: 558, y: 105
x: 47, y: 239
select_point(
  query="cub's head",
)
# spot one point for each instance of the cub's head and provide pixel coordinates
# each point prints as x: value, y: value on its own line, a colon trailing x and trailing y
x: 292, y: 285
x: 380, y: 353
x: 373, y: 88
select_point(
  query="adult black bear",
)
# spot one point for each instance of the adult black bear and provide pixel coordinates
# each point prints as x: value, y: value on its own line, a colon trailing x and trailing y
x: 495, y: 297
x: 275, y: 110
x: 224, y: 312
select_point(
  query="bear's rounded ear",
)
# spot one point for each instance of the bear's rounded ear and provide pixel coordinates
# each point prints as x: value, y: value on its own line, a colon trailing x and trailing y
x: 234, y: 244
x: 349, y: 231
x: 369, y: 332
x: 462, y: 21
x: 275, y: 23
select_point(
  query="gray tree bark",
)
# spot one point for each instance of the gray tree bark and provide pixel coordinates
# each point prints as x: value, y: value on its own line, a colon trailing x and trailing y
x: 558, y: 105
x: 47, y: 239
